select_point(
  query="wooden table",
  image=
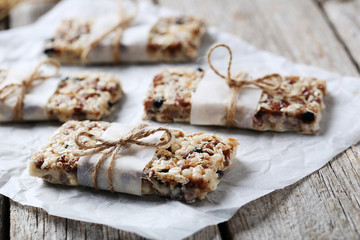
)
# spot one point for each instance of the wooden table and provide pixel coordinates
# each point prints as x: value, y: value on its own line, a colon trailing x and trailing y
x: 325, y: 204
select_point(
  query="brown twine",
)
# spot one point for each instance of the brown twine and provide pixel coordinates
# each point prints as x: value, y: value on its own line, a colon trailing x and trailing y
x: 133, y: 137
x: 124, y: 22
x: 267, y: 83
x: 26, y: 85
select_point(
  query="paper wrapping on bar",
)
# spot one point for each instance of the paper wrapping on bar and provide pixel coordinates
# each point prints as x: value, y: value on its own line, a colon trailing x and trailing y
x: 212, y: 96
x: 133, y: 42
x: 129, y: 164
x: 34, y: 105
x: 133, y: 47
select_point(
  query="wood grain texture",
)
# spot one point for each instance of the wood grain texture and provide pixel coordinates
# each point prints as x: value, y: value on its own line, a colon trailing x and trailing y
x: 326, y: 203
x: 344, y: 17
x: 34, y: 223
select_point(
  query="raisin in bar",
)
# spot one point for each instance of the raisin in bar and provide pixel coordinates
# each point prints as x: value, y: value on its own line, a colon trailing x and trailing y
x: 295, y: 106
x: 77, y: 96
x: 188, y: 169
x: 170, y: 39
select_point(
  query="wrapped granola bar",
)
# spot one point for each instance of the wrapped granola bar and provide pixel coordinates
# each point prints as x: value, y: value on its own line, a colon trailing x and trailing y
x: 104, y: 155
x: 27, y: 94
x: 273, y: 102
x: 146, y: 35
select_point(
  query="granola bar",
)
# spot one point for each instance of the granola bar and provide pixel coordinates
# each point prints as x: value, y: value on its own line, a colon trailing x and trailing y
x: 295, y: 106
x: 172, y: 39
x: 191, y: 167
x: 77, y: 96
x: 175, y: 39
x: 84, y: 96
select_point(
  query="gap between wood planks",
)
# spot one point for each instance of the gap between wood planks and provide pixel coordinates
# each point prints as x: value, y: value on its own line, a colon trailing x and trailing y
x: 337, y: 35
x: 223, y: 227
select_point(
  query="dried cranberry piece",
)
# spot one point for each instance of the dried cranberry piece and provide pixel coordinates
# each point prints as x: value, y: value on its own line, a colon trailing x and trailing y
x: 220, y: 173
x: 50, y: 51
x: 179, y: 21
x: 307, y: 117
x: 64, y: 79
x: 110, y: 104
x: 158, y: 102
x: 198, y: 150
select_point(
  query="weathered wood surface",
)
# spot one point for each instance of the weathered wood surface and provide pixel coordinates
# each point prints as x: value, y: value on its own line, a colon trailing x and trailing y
x: 344, y: 18
x: 324, y: 204
x: 34, y: 223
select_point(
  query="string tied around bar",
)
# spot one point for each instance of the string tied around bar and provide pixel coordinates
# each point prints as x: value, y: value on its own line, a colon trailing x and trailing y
x: 114, y: 146
x: 267, y: 83
x: 25, y: 85
x: 124, y: 22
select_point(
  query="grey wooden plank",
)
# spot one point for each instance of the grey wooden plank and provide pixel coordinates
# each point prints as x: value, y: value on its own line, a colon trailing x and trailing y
x: 34, y: 223
x: 344, y: 17
x: 325, y: 204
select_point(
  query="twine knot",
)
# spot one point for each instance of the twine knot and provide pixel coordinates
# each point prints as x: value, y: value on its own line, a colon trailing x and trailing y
x: 114, y: 146
x: 124, y: 22
x: 26, y: 85
x: 267, y: 83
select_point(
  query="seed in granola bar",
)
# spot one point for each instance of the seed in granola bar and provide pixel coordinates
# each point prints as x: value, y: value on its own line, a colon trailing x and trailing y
x: 220, y: 173
x: 50, y: 51
x: 158, y: 102
x: 200, y: 69
x: 198, y: 150
x: 307, y: 117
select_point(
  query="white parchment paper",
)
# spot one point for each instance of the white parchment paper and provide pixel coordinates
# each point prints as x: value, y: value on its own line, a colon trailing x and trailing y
x: 266, y: 160
x: 129, y: 164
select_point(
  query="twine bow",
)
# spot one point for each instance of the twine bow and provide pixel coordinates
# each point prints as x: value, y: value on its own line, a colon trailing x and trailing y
x: 124, y: 22
x: 267, y: 83
x: 114, y: 146
x: 26, y: 85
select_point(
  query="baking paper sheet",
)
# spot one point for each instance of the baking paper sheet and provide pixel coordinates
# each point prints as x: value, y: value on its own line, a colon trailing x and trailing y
x: 266, y: 160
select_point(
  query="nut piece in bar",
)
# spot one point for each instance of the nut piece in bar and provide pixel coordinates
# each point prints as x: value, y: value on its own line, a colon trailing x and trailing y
x: 84, y: 96
x: 175, y: 39
x: 190, y: 168
x: 296, y: 106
